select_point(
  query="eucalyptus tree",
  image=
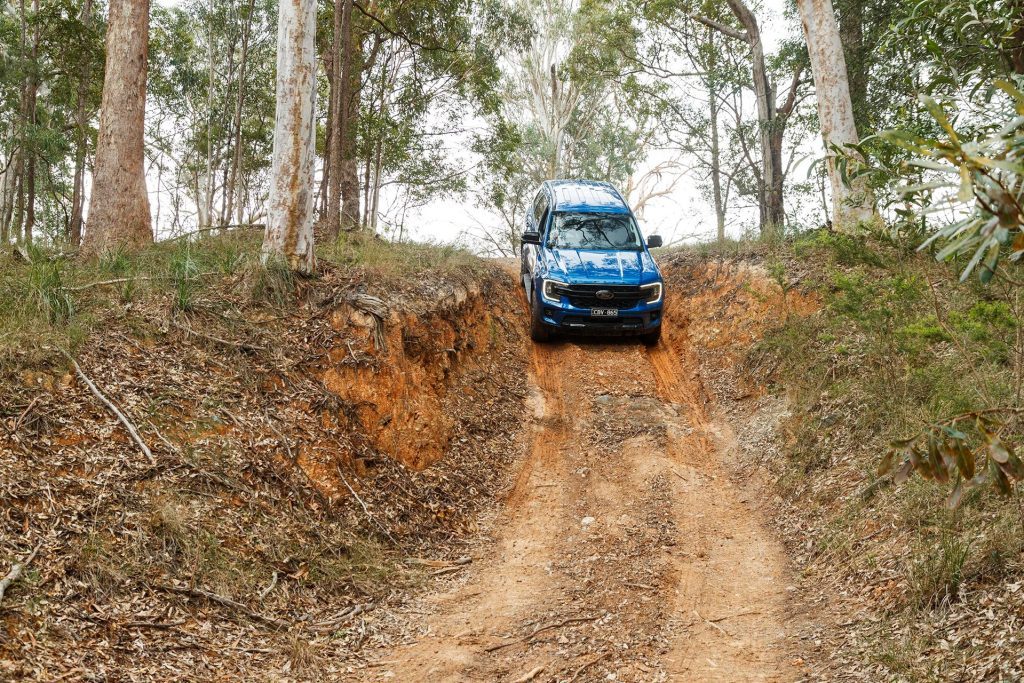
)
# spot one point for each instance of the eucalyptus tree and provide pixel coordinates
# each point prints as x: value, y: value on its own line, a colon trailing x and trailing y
x: 211, y: 123
x: 119, y: 212
x: 852, y: 201
x: 566, y: 111
x: 289, y: 232
x: 50, y: 82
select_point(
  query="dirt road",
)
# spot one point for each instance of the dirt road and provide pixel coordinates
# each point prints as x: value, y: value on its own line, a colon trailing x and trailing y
x: 625, y: 551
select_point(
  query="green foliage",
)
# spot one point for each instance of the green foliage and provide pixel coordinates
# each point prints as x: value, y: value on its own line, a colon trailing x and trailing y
x: 184, y: 273
x: 49, y: 295
x: 936, y: 577
x: 847, y: 250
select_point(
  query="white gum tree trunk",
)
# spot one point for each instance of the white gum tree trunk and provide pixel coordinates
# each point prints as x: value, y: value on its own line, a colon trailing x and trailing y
x: 289, y: 234
x: 853, y: 203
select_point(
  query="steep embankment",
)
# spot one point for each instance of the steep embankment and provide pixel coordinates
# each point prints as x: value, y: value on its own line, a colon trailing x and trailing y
x: 287, y: 490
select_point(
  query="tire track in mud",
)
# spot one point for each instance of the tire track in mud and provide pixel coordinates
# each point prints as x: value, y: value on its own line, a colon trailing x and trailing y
x: 624, y: 548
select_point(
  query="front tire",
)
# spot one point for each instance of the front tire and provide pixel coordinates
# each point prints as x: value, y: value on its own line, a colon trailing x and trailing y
x: 651, y: 338
x: 539, y: 332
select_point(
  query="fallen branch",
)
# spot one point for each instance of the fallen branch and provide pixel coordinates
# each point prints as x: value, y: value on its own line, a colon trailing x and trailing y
x: 133, y: 278
x: 587, y: 665
x: 244, y: 346
x: 16, y: 571
x: 266, y: 591
x: 537, y: 631
x: 365, y: 509
x: 346, y: 615
x: 224, y: 602
x: 21, y: 418
x: 530, y: 675
x: 713, y: 624
x: 128, y: 424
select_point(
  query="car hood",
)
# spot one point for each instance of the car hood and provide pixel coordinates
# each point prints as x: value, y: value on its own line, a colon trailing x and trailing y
x: 599, y: 267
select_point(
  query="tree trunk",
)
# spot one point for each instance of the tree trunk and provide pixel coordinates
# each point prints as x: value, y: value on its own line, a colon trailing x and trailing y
x: 341, y: 68
x: 850, y: 204
x: 5, y: 198
x: 716, y: 163
x: 236, y: 157
x: 1017, y: 43
x: 325, y: 179
x: 30, y: 111
x: 81, y: 122
x: 289, y: 233
x: 772, y: 206
x: 851, y: 27
x: 348, y: 116
x: 208, y: 187
x: 119, y: 213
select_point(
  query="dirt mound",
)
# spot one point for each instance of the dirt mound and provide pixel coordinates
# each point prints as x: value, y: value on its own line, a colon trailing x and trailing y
x: 289, y: 483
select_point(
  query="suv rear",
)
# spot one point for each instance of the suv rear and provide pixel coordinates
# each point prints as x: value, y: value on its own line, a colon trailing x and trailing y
x: 586, y: 267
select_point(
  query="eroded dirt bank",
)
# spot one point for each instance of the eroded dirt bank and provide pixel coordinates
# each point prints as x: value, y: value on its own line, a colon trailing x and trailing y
x: 286, y: 503
x: 628, y: 549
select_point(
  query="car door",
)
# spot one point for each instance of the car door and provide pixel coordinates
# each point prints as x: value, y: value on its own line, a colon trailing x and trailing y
x: 535, y: 219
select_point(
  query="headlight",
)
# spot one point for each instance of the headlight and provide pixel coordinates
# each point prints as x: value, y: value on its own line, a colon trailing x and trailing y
x: 652, y: 293
x: 548, y: 290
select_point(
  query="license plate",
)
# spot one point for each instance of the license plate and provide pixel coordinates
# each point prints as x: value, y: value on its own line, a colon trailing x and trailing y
x: 604, y: 312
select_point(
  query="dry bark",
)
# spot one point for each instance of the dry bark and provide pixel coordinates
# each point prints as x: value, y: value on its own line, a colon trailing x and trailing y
x: 771, y: 118
x: 851, y: 203
x: 119, y: 212
x: 78, y: 191
x: 289, y: 233
x: 348, y: 112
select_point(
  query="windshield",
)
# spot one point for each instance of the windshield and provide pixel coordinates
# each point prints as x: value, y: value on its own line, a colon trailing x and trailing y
x: 598, y: 231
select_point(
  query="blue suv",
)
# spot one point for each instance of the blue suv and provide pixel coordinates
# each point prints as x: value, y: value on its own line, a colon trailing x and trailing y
x: 585, y: 265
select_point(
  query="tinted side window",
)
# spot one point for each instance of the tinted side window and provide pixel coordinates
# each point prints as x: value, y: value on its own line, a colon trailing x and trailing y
x: 540, y: 206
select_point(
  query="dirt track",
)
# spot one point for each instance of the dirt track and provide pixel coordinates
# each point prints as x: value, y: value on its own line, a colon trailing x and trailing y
x: 625, y: 551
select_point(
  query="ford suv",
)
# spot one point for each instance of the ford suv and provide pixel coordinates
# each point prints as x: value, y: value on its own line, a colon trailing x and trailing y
x: 586, y: 267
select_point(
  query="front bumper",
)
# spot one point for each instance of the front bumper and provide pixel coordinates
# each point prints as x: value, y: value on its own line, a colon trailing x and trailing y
x: 565, y: 317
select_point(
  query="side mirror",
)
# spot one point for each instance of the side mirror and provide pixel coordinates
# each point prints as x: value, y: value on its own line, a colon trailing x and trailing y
x: 654, y: 241
x: 531, y: 237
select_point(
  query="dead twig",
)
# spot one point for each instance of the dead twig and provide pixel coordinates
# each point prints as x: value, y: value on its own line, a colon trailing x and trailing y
x: 713, y: 624
x: 21, y: 418
x: 587, y: 665
x: 242, y: 346
x: 135, y: 278
x: 224, y: 602
x: 266, y: 591
x: 365, y: 509
x: 16, y: 571
x: 128, y: 424
x: 531, y: 674
x: 346, y: 615
x: 541, y: 629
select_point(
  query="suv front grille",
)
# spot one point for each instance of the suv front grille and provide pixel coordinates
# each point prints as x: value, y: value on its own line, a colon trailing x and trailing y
x: 585, y: 296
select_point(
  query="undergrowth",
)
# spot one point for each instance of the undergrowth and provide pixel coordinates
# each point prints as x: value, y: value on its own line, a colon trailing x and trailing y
x: 898, y: 344
x: 54, y: 301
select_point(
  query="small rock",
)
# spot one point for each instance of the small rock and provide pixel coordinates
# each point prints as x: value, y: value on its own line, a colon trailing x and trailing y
x: 587, y: 521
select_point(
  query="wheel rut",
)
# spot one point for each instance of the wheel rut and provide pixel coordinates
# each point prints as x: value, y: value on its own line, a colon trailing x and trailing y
x: 625, y: 550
